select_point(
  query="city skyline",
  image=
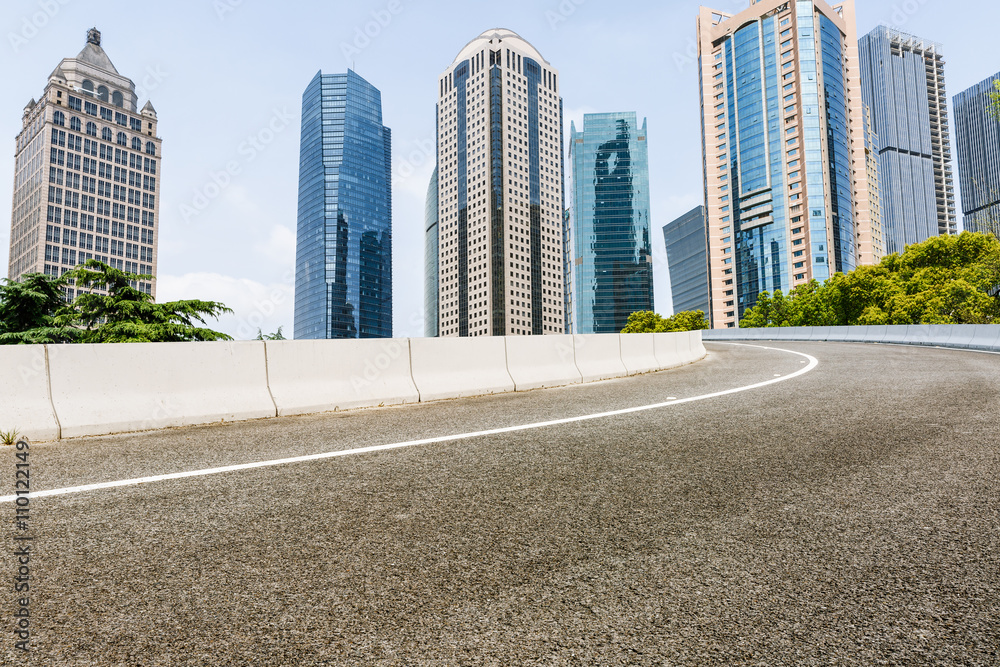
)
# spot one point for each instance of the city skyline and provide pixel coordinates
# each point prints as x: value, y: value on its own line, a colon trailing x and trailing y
x: 236, y: 175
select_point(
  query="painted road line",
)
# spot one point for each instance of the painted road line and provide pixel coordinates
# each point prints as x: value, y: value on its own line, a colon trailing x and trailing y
x: 812, y: 363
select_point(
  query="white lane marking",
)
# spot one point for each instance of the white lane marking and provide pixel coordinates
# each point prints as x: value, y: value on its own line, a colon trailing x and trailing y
x: 813, y: 362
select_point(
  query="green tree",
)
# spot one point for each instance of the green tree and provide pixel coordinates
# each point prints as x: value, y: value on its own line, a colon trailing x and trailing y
x: 277, y: 335
x: 945, y: 280
x: 646, y: 321
x: 128, y: 315
x: 34, y: 311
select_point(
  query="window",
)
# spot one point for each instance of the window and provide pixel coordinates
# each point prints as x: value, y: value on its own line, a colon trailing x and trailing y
x: 92, y: 129
x: 89, y: 108
x: 75, y: 103
x: 59, y: 118
x: 106, y: 114
x: 88, y: 87
x: 135, y: 124
x: 151, y: 149
x: 136, y: 144
x: 75, y: 125
x: 122, y: 139
x: 117, y: 99
x: 107, y: 135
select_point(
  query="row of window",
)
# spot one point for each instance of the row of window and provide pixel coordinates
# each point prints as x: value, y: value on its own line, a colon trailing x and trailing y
x: 59, y: 119
x: 103, y: 188
x: 56, y: 234
x: 68, y: 255
x: 86, y: 221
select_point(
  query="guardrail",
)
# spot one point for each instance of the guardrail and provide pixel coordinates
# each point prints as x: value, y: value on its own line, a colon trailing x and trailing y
x: 49, y: 392
x: 985, y: 337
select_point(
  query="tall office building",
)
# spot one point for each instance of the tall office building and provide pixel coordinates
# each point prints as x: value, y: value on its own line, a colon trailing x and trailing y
x: 612, y: 264
x: 343, y: 257
x: 872, y: 253
x: 686, y: 240
x: 85, y: 173
x: 902, y: 82
x: 784, y: 149
x: 977, y: 134
x: 431, y: 250
x: 500, y: 191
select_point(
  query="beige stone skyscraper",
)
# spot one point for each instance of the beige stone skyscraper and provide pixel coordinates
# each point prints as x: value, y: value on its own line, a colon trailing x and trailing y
x: 500, y: 191
x: 786, y: 187
x: 86, y: 174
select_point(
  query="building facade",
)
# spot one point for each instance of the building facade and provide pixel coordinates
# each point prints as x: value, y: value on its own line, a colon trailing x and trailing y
x: 877, y: 247
x: 500, y: 191
x: 686, y: 240
x: 783, y: 151
x: 612, y: 263
x: 431, y: 250
x: 86, y: 174
x: 903, y: 84
x: 343, y: 259
x: 977, y: 135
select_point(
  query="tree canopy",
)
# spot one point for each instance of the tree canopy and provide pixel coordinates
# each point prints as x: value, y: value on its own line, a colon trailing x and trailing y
x: 34, y: 310
x: 646, y: 321
x: 945, y: 280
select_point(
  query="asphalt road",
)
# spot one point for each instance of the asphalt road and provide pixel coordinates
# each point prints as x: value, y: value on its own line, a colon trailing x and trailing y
x: 847, y: 516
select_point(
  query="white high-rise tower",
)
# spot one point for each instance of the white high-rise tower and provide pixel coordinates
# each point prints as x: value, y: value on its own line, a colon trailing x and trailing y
x: 500, y: 191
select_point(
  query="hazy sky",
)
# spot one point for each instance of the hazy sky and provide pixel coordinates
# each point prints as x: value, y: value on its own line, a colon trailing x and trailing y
x: 226, y: 78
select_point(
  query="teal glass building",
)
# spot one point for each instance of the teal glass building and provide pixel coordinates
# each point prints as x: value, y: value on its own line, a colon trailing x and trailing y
x: 343, y: 259
x: 977, y: 134
x: 610, y: 226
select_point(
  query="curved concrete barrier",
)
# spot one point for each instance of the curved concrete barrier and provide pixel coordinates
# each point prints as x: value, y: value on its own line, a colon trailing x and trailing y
x: 458, y: 367
x: 599, y: 357
x: 690, y: 347
x: 941, y: 335
x: 896, y: 334
x: 985, y: 337
x: 310, y: 376
x: 25, y: 405
x: 819, y: 333
x: 665, y: 348
x: 639, y: 353
x: 535, y: 362
x: 111, y: 388
x: 875, y: 333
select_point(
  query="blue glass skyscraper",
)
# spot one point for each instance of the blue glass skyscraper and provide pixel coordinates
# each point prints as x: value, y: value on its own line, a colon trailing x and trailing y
x: 343, y: 272
x: 609, y: 223
x: 686, y: 240
x: 977, y: 134
x: 902, y: 83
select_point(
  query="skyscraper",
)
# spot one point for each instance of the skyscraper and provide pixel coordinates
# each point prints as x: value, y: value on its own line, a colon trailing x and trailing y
x: 977, y: 134
x: 902, y: 82
x: 783, y: 151
x: 686, y: 241
x: 343, y: 258
x: 85, y: 173
x: 431, y: 250
x: 613, y: 269
x: 500, y: 191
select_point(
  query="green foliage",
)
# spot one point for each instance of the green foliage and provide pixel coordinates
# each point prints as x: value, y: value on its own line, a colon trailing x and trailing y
x: 277, y: 335
x: 944, y: 280
x: 128, y: 315
x: 8, y: 437
x: 647, y: 321
x: 33, y: 311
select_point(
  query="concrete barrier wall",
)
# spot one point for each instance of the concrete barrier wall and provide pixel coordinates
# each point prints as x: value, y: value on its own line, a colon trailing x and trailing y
x: 599, y: 357
x: 100, y: 389
x: 309, y: 376
x: 78, y: 390
x: 457, y: 367
x: 535, y: 362
x: 985, y: 337
x: 25, y: 405
x: 639, y: 353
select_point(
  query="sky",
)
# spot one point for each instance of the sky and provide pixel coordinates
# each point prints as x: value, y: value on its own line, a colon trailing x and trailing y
x: 226, y: 78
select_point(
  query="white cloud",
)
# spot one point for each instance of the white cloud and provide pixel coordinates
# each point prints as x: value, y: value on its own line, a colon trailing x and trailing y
x: 255, y: 304
x: 279, y: 247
